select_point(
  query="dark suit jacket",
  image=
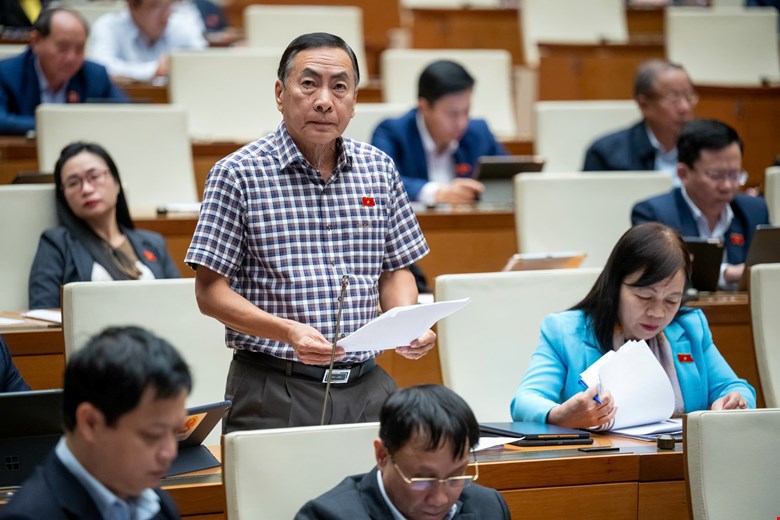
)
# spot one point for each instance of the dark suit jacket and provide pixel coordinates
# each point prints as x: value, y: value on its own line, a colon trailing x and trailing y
x: 10, y: 379
x: 625, y: 150
x: 61, y: 259
x: 400, y: 139
x: 53, y: 493
x: 20, y: 91
x: 359, y: 498
x: 672, y: 210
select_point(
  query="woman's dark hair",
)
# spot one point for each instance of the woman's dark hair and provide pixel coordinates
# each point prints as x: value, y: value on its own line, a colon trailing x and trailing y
x: 652, y: 249
x: 65, y: 215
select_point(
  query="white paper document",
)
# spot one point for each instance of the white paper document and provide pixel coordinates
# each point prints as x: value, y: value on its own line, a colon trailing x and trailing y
x: 638, y: 383
x: 10, y: 321
x: 54, y: 316
x: 399, y: 326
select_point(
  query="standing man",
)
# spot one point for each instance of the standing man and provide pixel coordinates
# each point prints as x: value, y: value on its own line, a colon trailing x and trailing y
x: 123, y: 404
x: 51, y: 70
x: 666, y: 98
x: 436, y: 146
x: 136, y: 43
x: 426, y: 437
x: 283, y: 221
x: 709, y: 204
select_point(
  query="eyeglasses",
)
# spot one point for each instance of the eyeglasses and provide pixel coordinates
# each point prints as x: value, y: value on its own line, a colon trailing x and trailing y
x: 732, y: 176
x: 425, y: 484
x: 673, y: 98
x: 94, y: 177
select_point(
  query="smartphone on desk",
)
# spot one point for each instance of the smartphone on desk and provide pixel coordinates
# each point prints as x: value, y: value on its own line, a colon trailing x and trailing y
x: 549, y: 442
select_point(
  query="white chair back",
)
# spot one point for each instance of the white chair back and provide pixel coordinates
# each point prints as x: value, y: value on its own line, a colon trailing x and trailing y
x: 486, y: 348
x: 91, y: 11
x: 294, y: 465
x: 11, y: 50
x: 449, y: 4
x: 732, y: 463
x: 570, y: 21
x: 368, y: 116
x: 764, y: 304
x: 168, y: 309
x: 26, y: 211
x: 492, y: 98
x: 725, y: 46
x: 275, y: 26
x: 148, y: 143
x: 580, y: 211
x: 228, y: 94
x: 772, y: 192
x: 565, y: 129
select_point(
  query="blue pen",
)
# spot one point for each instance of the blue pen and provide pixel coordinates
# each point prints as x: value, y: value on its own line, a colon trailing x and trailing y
x: 584, y: 386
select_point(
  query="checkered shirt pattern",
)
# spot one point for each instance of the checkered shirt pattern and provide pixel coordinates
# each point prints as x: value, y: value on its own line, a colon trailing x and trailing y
x: 284, y: 237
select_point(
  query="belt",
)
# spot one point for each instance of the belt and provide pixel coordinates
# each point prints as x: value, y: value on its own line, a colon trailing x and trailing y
x: 343, y: 373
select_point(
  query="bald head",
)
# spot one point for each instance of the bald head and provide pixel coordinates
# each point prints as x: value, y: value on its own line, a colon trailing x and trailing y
x: 58, y: 40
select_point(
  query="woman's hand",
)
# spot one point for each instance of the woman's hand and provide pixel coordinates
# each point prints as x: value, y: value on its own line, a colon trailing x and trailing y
x: 582, y: 411
x: 730, y: 401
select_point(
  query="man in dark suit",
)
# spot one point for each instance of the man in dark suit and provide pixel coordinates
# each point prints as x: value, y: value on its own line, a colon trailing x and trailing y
x: 709, y: 205
x: 10, y: 379
x: 123, y: 404
x: 666, y: 98
x: 436, y: 146
x: 423, y: 470
x: 51, y: 70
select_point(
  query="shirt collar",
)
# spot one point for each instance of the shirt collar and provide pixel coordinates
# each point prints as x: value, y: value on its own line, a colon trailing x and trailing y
x: 44, y: 83
x: 427, y: 141
x: 289, y: 154
x: 724, y: 220
x: 143, y: 507
x: 394, y: 510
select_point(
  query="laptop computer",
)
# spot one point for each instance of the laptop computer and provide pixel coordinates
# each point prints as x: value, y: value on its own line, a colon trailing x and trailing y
x: 764, y: 249
x: 706, y: 257
x: 496, y: 173
x: 193, y: 455
x: 30, y: 427
x: 536, y: 434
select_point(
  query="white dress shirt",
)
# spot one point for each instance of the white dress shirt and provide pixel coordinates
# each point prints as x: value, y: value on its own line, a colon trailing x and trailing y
x: 441, y: 166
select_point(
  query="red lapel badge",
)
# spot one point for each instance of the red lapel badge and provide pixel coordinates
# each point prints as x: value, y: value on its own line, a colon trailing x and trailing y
x: 462, y: 169
x: 737, y: 239
x: 149, y: 255
x: 73, y: 97
x: 368, y: 202
x: 685, y: 358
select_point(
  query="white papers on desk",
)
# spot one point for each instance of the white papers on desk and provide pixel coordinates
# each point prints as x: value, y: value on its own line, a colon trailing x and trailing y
x: 399, y: 326
x: 487, y: 443
x: 54, y: 316
x: 638, y: 383
x: 10, y: 321
x: 650, y: 432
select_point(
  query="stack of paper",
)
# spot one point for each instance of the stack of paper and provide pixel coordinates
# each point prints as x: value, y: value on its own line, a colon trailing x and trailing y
x: 640, y: 388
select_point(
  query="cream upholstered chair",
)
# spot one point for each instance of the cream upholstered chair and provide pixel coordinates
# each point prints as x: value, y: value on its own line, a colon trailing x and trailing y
x: 270, y: 474
x: 764, y: 305
x: 275, y: 26
x: 725, y: 46
x: 565, y: 129
x: 368, y: 116
x: 570, y: 21
x: 168, y: 309
x: 11, y: 50
x: 581, y: 211
x: 486, y: 347
x: 772, y: 192
x: 91, y: 11
x: 448, y: 4
x: 227, y: 93
x: 732, y: 463
x: 148, y: 143
x: 25, y: 211
x: 492, y: 69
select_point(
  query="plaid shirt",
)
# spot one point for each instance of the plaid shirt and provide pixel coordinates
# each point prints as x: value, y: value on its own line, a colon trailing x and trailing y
x: 284, y: 237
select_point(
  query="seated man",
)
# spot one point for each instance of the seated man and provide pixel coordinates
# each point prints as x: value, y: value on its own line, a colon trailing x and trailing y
x: 136, y: 43
x: 708, y: 204
x: 51, y: 70
x: 426, y: 435
x: 10, y: 379
x: 666, y: 98
x: 436, y: 146
x: 123, y: 403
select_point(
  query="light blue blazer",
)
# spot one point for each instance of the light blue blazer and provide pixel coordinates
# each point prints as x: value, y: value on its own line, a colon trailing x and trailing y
x: 568, y: 346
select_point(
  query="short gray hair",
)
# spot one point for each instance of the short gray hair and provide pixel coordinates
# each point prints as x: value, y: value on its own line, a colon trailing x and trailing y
x: 644, y: 81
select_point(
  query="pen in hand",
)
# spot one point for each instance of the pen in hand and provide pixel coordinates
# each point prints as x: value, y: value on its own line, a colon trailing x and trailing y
x: 584, y: 386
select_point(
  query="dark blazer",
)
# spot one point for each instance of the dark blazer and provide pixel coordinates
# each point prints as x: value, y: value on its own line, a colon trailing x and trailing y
x: 672, y: 210
x: 53, y: 493
x: 20, y: 90
x: 400, y: 139
x: 625, y: 150
x: 10, y: 379
x: 61, y: 259
x: 359, y: 498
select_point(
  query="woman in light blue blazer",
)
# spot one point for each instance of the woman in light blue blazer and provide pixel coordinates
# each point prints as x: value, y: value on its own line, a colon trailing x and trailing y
x: 637, y: 296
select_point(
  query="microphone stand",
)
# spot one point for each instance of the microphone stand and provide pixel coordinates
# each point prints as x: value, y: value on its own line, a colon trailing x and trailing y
x: 344, y: 284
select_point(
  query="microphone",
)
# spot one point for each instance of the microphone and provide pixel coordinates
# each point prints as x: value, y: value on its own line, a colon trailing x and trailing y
x: 344, y: 284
